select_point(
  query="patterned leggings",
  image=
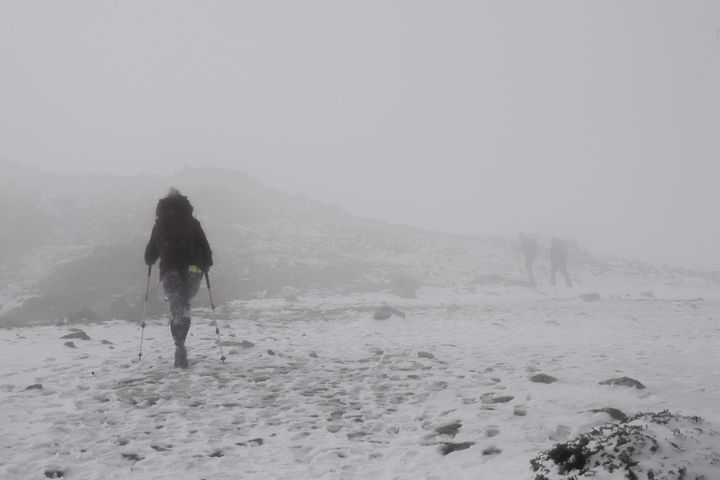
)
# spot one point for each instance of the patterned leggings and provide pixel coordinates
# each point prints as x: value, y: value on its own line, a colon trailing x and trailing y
x: 179, y: 290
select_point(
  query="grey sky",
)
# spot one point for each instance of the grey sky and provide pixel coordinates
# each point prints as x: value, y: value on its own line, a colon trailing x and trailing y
x: 593, y: 120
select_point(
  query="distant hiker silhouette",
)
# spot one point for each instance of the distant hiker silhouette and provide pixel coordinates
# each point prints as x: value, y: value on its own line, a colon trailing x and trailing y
x: 179, y: 241
x: 529, y: 248
x: 558, y: 260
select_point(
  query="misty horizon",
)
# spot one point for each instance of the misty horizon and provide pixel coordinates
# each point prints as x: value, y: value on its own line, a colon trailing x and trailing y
x: 542, y: 237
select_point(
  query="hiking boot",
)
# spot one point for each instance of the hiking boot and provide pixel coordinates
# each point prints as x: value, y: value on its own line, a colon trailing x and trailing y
x: 181, y: 357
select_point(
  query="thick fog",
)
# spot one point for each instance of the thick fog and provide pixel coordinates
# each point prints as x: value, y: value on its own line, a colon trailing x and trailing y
x: 589, y: 121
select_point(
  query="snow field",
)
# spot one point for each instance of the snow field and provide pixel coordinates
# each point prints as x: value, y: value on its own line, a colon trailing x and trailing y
x: 335, y: 394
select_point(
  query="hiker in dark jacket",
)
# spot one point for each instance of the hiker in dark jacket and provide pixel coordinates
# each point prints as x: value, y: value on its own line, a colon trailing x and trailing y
x: 529, y: 248
x: 558, y: 260
x: 179, y: 241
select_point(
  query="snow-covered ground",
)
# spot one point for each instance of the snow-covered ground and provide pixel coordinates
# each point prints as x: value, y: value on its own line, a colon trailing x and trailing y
x: 323, y: 390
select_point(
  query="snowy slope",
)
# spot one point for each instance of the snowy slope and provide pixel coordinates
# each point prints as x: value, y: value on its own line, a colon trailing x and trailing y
x: 325, y: 391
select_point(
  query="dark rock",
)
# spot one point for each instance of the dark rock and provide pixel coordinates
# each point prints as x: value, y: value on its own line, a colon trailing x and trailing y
x: 613, y: 412
x: 107, y: 342
x: 451, y: 429
x: 132, y: 456
x: 356, y: 435
x: 542, y: 378
x: 448, y: 447
x: 70, y: 344
x: 270, y: 352
x: 386, y: 311
x: 519, y: 412
x: 590, y: 297
x: 650, y: 445
x: 426, y: 355
x: 54, y: 473
x: 491, y: 451
x: 217, y: 453
x: 313, y: 355
x: 79, y: 334
x: 624, y: 382
x: 34, y: 386
x: 500, y: 399
x: 231, y: 343
x: 256, y: 442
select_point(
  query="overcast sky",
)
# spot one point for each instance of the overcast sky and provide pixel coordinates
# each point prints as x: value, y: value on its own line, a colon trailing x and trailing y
x: 592, y: 120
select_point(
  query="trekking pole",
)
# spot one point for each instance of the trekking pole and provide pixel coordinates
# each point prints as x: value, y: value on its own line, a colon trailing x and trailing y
x: 147, y: 293
x: 217, y: 328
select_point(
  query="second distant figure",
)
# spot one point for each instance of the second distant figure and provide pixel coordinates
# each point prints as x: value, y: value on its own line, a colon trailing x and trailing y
x: 558, y: 260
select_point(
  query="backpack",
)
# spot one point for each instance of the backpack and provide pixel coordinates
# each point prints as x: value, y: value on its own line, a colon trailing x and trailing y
x: 175, y: 234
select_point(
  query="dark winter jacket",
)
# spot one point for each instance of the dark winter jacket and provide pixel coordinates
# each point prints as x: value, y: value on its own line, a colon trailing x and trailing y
x: 172, y: 257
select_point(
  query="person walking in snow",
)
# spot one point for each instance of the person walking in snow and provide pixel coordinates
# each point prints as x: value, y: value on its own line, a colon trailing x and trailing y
x: 179, y: 241
x: 558, y: 260
x: 529, y: 248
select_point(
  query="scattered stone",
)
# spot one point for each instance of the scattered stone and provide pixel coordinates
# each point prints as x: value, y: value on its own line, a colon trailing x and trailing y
x: 624, y: 382
x: 613, y: 412
x: 70, y: 344
x: 491, y: 451
x: 256, y: 442
x: 132, y: 456
x: 217, y: 453
x: 313, y: 355
x: 356, y: 435
x: 54, y: 473
x: 34, y: 386
x: 438, y: 386
x: 519, y: 411
x: 79, y: 334
x: 449, y: 447
x: 426, y: 355
x: 590, y: 297
x: 270, y: 352
x: 107, y: 342
x: 159, y: 448
x: 333, y: 428
x: 232, y: 343
x: 386, y: 311
x: 500, y: 399
x: 491, y: 432
x: 542, y: 378
x: 451, y: 429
